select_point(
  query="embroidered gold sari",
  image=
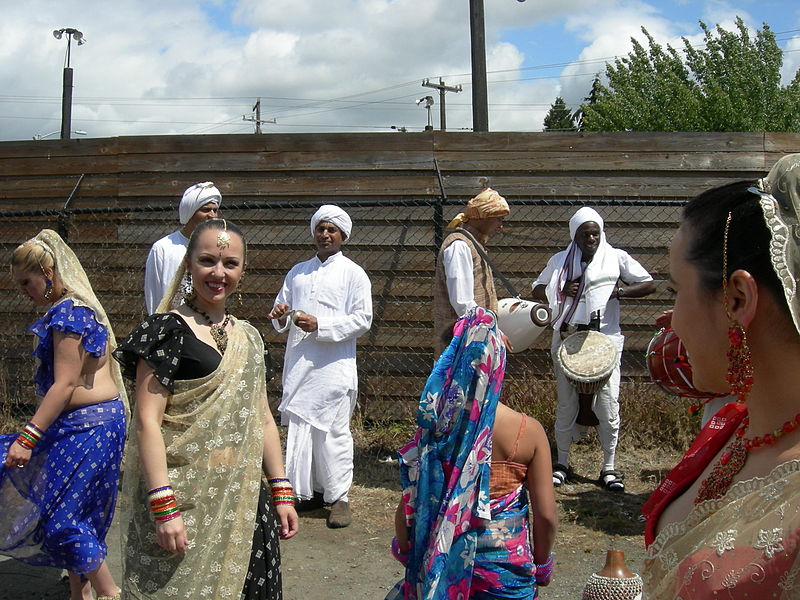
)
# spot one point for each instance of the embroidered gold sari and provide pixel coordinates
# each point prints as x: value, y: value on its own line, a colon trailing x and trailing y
x: 743, y: 545
x: 213, y: 432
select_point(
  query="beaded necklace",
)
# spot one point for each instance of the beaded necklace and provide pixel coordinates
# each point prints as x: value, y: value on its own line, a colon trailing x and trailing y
x: 733, y: 458
x: 218, y: 332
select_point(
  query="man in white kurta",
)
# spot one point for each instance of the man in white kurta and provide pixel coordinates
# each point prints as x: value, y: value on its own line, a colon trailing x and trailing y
x: 199, y: 203
x: 583, y: 284
x: 325, y: 303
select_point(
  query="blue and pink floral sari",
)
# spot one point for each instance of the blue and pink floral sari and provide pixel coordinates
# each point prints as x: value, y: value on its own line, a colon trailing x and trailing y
x: 463, y: 545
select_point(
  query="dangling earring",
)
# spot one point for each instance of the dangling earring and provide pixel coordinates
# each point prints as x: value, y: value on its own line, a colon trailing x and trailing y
x: 740, y: 368
x: 239, y: 300
x: 48, y: 289
x: 187, y: 287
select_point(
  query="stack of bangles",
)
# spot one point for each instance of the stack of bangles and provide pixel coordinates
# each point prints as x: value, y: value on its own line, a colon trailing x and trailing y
x: 163, y: 505
x: 282, y: 492
x: 544, y: 572
x: 30, y: 436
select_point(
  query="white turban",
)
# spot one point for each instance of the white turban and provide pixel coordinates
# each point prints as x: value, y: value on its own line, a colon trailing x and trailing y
x: 330, y: 213
x: 581, y: 216
x: 196, y: 196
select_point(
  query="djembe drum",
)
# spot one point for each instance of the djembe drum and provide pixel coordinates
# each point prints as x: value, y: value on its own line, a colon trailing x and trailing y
x: 587, y: 359
x: 669, y: 368
x: 522, y: 321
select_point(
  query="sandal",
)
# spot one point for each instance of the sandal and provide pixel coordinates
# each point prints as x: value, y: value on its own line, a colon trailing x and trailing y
x: 612, y: 480
x: 560, y: 474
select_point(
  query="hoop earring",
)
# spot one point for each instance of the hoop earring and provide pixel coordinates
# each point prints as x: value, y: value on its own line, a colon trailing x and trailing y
x: 740, y: 367
x: 48, y: 289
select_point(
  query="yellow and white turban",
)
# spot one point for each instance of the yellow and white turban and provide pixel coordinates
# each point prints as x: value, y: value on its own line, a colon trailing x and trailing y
x: 486, y: 205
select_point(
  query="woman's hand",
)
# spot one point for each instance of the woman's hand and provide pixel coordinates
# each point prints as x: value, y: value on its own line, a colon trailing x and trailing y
x: 171, y: 535
x: 17, y: 456
x: 289, y: 521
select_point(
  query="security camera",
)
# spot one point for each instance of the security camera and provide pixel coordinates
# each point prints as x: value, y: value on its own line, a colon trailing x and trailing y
x: 428, y: 100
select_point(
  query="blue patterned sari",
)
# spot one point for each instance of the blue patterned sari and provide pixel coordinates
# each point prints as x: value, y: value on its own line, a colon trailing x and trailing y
x: 462, y: 544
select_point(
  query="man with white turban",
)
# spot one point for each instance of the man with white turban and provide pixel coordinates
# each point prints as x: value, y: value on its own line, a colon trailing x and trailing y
x: 326, y: 304
x: 463, y: 278
x: 583, y: 285
x: 200, y: 202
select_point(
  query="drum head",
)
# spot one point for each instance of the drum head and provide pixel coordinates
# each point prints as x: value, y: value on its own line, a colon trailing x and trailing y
x: 587, y: 356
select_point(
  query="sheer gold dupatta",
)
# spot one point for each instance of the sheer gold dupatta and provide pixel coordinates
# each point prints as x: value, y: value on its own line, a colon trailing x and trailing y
x: 213, y: 432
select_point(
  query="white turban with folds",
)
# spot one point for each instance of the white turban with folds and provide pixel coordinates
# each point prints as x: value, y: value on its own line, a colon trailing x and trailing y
x: 196, y: 196
x: 330, y: 213
x: 597, y: 280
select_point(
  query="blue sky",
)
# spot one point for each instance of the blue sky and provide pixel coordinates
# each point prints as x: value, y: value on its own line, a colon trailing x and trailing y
x: 187, y: 66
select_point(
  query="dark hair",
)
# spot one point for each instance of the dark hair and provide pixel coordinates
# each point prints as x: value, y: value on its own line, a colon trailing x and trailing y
x: 748, y: 237
x: 219, y: 225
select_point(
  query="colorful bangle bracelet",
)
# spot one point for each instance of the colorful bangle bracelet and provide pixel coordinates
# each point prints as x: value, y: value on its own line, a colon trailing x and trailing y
x: 545, y: 571
x: 169, y: 517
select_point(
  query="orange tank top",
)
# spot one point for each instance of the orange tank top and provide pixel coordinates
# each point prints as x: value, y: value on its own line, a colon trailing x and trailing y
x: 507, y: 475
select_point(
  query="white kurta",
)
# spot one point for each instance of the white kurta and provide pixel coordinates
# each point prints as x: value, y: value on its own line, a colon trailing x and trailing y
x: 606, y: 401
x: 319, y: 368
x: 163, y: 262
x: 457, y: 262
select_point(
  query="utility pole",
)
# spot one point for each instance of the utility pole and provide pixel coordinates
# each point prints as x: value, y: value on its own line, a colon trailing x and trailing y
x: 480, y: 102
x: 442, y: 89
x: 477, y: 32
x: 256, y: 118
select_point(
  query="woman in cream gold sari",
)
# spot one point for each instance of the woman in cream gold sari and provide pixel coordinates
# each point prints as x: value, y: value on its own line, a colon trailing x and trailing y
x: 204, y: 435
x: 725, y: 523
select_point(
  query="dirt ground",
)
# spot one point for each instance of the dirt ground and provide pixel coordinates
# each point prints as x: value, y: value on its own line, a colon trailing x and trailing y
x: 355, y: 564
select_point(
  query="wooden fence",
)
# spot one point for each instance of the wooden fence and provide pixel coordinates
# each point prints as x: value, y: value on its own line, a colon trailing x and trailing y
x: 390, y: 183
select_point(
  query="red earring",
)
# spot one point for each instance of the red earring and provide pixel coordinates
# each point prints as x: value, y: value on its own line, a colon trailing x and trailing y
x: 740, y: 369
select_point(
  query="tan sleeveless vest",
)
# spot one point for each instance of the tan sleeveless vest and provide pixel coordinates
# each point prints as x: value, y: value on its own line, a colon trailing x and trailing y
x: 485, y: 295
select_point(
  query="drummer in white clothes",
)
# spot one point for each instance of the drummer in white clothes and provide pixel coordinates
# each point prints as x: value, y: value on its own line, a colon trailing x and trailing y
x: 583, y: 285
x: 325, y: 303
x: 200, y: 202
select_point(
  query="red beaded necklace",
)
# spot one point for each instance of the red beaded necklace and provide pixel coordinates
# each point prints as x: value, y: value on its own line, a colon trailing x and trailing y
x: 735, y: 456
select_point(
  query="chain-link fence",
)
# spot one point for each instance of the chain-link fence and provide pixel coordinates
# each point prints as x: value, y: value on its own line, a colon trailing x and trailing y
x: 395, y: 241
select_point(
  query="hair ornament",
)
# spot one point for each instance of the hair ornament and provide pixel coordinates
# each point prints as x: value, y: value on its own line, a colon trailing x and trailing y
x: 223, y: 237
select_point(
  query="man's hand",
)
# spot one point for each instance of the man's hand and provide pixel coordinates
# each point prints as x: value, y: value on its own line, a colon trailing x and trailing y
x: 571, y: 289
x: 279, y: 312
x: 306, y: 322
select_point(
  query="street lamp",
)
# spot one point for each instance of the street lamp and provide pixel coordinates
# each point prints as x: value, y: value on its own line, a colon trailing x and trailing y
x: 66, y: 96
x: 477, y: 31
x: 40, y: 136
x: 428, y: 100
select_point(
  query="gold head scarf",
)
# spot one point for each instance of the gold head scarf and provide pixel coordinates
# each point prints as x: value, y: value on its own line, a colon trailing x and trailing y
x: 780, y: 201
x: 485, y: 205
x: 72, y: 276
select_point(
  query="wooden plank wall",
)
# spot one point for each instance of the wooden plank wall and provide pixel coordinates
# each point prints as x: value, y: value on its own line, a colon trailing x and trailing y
x: 388, y: 182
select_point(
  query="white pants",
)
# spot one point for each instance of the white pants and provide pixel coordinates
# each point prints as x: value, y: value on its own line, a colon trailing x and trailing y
x: 605, y: 406
x: 321, y: 461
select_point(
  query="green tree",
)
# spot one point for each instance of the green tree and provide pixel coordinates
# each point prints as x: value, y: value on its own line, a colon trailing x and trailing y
x: 730, y: 83
x: 559, y: 118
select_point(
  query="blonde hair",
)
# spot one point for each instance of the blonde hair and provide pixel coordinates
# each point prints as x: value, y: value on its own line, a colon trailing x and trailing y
x: 32, y: 256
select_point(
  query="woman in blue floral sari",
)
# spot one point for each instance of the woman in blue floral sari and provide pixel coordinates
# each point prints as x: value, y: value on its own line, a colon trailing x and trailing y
x: 59, y: 475
x: 462, y: 527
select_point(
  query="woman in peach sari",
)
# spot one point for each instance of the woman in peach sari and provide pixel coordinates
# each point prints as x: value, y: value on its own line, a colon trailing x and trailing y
x: 725, y: 523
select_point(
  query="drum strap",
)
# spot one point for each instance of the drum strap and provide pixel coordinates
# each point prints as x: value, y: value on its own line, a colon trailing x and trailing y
x: 495, y: 271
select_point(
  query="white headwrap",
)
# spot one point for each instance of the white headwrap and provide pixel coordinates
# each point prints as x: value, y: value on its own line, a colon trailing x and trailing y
x: 196, y: 196
x: 330, y: 213
x: 597, y: 281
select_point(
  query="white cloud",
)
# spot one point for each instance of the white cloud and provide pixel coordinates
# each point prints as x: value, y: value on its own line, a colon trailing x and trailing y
x: 181, y: 66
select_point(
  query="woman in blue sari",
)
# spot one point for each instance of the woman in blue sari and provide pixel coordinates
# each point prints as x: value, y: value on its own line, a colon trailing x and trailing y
x: 462, y: 526
x: 59, y: 476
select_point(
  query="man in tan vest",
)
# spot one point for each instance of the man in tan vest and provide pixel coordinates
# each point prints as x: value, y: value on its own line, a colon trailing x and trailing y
x: 463, y: 278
